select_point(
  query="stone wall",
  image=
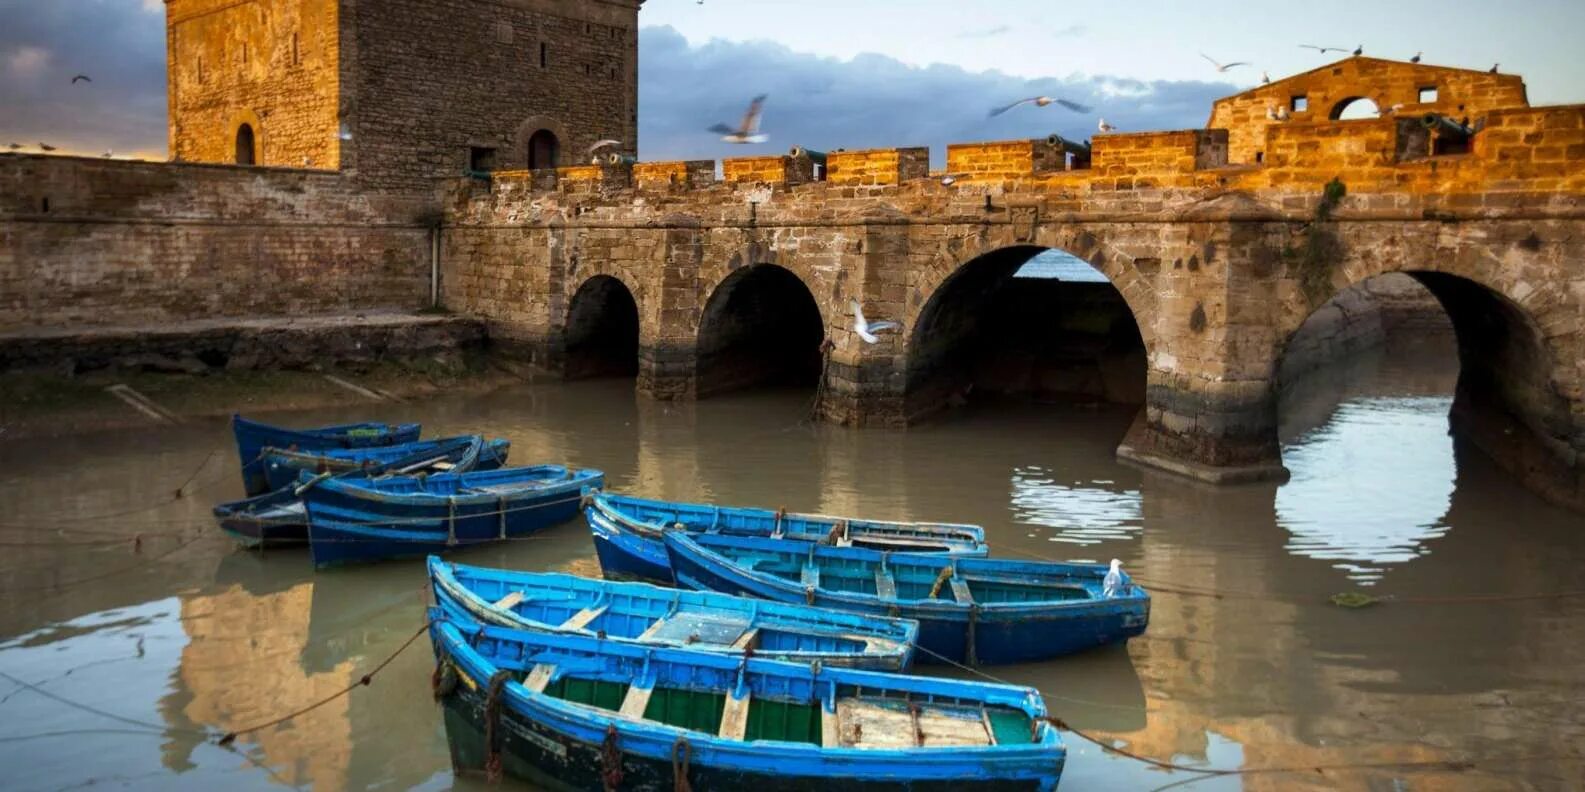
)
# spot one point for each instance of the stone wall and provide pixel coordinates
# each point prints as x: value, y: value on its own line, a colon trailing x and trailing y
x: 1360, y: 318
x: 90, y: 242
x: 274, y: 66
x: 425, y: 82
x: 1460, y: 93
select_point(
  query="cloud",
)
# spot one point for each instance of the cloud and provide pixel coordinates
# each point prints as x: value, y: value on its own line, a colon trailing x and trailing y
x: 1071, y: 31
x: 873, y: 101
x: 27, y: 61
x: 990, y: 32
x: 116, y: 42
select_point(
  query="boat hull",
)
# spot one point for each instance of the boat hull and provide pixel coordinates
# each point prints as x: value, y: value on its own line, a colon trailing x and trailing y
x: 551, y: 759
x: 947, y: 633
x: 633, y: 549
x: 282, y: 468
x: 252, y: 438
x: 274, y: 519
x: 351, y: 524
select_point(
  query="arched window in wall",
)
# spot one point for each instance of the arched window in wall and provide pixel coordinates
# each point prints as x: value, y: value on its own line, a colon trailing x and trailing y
x: 246, y: 150
x: 543, y: 150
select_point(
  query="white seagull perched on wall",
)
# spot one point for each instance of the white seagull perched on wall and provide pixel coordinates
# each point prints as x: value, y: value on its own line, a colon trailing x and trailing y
x: 867, y: 329
x: 1042, y: 101
x: 1105, y: 127
x: 748, y: 130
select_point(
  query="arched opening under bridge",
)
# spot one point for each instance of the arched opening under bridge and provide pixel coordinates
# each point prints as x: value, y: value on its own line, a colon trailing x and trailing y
x: 760, y: 327
x: 1027, y: 322
x: 602, y: 330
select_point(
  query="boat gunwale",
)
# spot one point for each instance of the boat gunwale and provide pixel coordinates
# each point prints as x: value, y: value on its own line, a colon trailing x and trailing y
x: 935, y: 608
x: 957, y: 533
x: 895, y: 644
x: 353, y: 489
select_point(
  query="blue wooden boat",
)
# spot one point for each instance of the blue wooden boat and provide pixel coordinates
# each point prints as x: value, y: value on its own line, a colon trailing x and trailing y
x: 279, y: 517
x: 627, y: 532
x: 573, y: 712
x: 361, y: 519
x: 699, y: 620
x: 970, y: 610
x: 253, y: 437
x: 282, y: 466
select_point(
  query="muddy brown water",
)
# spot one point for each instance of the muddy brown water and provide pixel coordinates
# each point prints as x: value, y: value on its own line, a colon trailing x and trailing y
x: 133, y: 656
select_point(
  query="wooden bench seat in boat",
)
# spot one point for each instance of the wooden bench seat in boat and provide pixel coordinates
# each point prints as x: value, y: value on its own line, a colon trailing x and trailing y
x: 889, y: 723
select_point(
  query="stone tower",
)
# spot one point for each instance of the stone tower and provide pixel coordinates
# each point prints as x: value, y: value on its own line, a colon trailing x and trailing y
x: 397, y: 93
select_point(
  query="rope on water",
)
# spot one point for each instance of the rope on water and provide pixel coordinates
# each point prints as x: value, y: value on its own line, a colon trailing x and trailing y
x: 177, y: 494
x: 492, y: 719
x: 363, y: 681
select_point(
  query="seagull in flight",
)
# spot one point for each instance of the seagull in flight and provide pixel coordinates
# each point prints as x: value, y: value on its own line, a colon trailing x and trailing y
x: 81, y: 78
x: 867, y: 329
x: 748, y: 130
x: 1105, y: 127
x: 600, y: 144
x: 1323, y: 50
x: 14, y: 146
x: 108, y: 154
x: 46, y: 147
x: 1042, y: 101
x: 1223, y: 67
x: 949, y: 179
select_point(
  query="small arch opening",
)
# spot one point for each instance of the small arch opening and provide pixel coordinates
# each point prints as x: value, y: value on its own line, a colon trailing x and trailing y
x: 544, y: 150
x: 602, y: 330
x: 247, y: 153
x: 1354, y: 108
x: 760, y: 327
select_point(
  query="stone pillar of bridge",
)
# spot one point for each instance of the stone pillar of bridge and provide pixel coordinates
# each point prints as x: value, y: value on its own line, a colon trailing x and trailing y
x: 667, y: 358
x: 1210, y: 398
x: 863, y: 383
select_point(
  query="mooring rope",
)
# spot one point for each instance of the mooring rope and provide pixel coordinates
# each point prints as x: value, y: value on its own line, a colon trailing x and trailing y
x: 363, y: 681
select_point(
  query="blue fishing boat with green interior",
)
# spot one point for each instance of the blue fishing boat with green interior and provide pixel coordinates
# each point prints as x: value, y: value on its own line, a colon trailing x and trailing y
x: 699, y: 620
x: 574, y: 712
x: 279, y: 518
x: 361, y: 519
x: 627, y: 532
x: 252, y: 438
x: 282, y: 466
x: 970, y: 610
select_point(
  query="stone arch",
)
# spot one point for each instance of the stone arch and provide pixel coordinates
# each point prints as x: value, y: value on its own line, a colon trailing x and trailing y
x: 247, y: 136
x: 601, y: 335
x: 1059, y: 338
x: 1354, y: 108
x: 532, y: 125
x: 761, y: 325
x: 1511, y: 394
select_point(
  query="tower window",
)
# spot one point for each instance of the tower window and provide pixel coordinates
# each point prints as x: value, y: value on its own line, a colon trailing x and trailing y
x: 544, y: 54
x: 1427, y: 94
x: 246, y: 150
x: 481, y: 159
x: 543, y: 150
x: 1299, y: 104
x: 296, y: 54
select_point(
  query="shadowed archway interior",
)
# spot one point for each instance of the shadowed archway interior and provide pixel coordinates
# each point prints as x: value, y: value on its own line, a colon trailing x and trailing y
x: 1054, y: 331
x: 602, y: 330
x: 246, y: 149
x: 761, y: 326
x: 1504, y: 400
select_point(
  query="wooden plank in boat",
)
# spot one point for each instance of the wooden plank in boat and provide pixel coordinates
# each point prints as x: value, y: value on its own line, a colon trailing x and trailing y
x: 539, y: 678
x: 960, y: 591
x: 660, y: 624
x: 875, y: 724
x: 509, y: 601
x: 636, y: 701
x: 810, y: 576
x: 941, y: 727
x: 582, y: 618
x: 743, y: 641
x: 830, y: 728
x: 734, y: 718
x: 443, y: 466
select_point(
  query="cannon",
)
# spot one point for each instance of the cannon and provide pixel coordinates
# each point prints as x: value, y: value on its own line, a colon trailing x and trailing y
x: 799, y: 152
x: 1079, y: 150
x: 1445, y: 127
x: 618, y: 159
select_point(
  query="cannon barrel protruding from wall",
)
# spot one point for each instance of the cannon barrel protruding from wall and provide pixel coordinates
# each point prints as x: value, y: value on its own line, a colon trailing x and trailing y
x: 1446, y: 127
x: 616, y: 159
x: 799, y: 152
x: 1081, y: 150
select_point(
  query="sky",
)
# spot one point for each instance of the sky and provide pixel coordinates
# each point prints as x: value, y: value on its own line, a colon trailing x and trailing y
x: 855, y: 73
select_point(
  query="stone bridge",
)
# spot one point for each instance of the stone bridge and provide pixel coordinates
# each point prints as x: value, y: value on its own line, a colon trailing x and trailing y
x: 702, y: 283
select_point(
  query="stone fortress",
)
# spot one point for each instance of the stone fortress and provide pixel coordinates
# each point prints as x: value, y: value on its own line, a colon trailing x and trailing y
x: 332, y: 156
